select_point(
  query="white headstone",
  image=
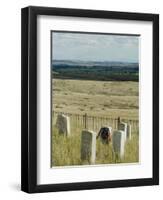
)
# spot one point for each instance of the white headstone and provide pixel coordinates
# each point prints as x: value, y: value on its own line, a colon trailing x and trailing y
x: 119, y: 142
x: 123, y: 127
x: 129, y: 131
x: 88, y: 146
x: 63, y: 124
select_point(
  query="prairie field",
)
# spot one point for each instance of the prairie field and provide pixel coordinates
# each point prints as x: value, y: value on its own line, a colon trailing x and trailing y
x: 100, y: 99
x: 97, y: 98
x: 66, y: 150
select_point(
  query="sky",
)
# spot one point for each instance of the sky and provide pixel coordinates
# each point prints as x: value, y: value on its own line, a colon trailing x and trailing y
x: 94, y: 47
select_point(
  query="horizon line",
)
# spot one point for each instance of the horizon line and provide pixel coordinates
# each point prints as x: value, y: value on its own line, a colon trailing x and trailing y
x: 94, y: 60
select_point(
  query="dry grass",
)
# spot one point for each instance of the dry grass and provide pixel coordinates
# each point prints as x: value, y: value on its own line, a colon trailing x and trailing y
x: 97, y: 98
x: 66, y: 150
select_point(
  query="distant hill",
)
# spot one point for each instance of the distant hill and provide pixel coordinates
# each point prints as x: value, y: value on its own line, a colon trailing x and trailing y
x: 93, y: 70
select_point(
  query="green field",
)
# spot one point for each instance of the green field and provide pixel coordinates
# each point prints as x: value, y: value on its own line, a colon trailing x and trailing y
x: 96, y: 98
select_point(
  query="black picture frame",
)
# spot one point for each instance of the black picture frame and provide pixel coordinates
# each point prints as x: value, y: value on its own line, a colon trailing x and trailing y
x: 29, y: 99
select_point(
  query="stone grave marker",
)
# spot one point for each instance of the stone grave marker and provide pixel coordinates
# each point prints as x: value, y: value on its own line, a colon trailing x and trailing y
x: 123, y: 127
x: 119, y: 142
x: 63, y: 124
x: 88, y: 146
x: 105, y: 134
x: 129, y: 132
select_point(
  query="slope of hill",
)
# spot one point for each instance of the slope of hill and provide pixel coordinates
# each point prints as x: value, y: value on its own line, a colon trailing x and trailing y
x: 103, y: 71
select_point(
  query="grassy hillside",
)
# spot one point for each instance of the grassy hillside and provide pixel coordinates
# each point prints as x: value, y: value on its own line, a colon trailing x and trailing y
x: 97, y: 98
x: 66, y: 150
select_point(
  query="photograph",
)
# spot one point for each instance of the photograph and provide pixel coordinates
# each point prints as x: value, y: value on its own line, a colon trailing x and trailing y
x: 94, y: 98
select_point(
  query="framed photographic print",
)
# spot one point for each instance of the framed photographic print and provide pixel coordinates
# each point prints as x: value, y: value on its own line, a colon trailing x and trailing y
x: 90, y: 99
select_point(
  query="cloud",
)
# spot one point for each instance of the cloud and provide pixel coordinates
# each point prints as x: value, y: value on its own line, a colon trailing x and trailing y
x: 67, y: 45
